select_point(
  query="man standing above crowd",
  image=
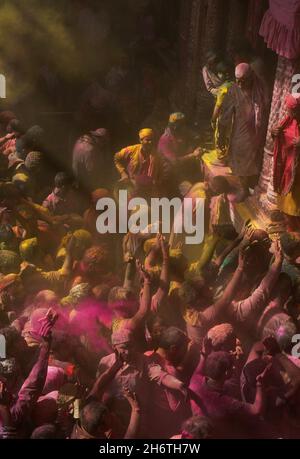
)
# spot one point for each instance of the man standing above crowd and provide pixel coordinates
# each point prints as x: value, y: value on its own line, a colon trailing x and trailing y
x: 140, y: 166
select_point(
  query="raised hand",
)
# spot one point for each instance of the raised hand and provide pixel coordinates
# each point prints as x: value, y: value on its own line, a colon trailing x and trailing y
x: 247, y: 224
x: 71, y: 245
x: 278, y: 251
x: 262, y: 377
x: 143, y: 273
x: 248, y: 233
x: 47, y: 324
x: 197, y: 153
x: 128, y: 258
x: 243, y: 254
x: 164, y: 247
x: 207, y: 346
x: 132, y: 399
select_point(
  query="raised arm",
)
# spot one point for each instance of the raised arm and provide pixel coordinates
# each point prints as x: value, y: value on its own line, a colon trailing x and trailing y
x: 234, y: 283
x: 145, y: 301
x: 33, y: 385
x: 130, y: 271
x: 153, y: 254
x: 246, y: 232
x: 134, y: 423
x: 164, y: 281
x: 256, y: 408
x: 68, y: 261
x: 104, y: 379
x: 242, y: 310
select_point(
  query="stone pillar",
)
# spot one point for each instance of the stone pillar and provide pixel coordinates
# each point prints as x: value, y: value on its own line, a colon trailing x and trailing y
x: 192, y: 50
x: 213, y: 27
x: 282, y: 86
x: 213, y: 20
x: 236, y: 24
x: 185, y: 18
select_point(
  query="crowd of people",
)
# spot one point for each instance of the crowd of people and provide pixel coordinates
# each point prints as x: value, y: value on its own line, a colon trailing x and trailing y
x: 141, y: 335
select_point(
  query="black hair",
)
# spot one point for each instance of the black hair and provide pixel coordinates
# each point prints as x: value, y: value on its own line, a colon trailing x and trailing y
x: 91, y: 416
x: 172, y: 336
x: 34, y: 138
x: 290, y: 243
x: 44, y: 432
x: 220, y: 183
x: 188, y: 293
x: 223, y: 67
x: 62, y: 179
x: 199, y: 427
x: 16, y: 125
x: 217, y: 363
x: 153, y: 319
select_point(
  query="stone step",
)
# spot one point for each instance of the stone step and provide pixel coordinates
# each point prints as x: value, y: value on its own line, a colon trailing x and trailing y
x: 251, y: 208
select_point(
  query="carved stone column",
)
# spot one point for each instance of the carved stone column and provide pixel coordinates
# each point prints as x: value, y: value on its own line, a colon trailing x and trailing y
x: 212, y: 26
x: 185, y: 18
x: 236, y: 24
x: 282, y: 86
x: 214, y: 23
x: 192, y: 50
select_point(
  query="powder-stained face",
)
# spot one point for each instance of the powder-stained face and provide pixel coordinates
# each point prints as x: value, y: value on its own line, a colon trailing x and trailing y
x: 177, y: 353
x: 125, y: 351
x: 147, y: 144
x: 245, y: 82
x: 157, y: 329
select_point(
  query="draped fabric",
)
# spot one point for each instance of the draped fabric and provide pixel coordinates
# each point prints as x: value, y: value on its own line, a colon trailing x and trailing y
x: 285, y: 157
x: 280, y: 27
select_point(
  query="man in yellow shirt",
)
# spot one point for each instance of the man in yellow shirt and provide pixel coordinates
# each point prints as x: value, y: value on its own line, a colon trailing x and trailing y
x: 140, y: 167
x: 223, y: 74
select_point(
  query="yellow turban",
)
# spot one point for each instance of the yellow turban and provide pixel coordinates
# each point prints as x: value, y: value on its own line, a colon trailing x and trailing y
x: 147, y: 132
x: 175, y: 117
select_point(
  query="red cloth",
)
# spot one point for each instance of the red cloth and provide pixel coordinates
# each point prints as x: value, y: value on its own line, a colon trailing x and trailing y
x: 285, y: 157
x: 280, y: 27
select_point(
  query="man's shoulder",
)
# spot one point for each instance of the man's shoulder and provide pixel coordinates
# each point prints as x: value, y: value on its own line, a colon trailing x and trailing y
x: 107, y: 360
x: 130, y: 149
x: 196, y: 382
